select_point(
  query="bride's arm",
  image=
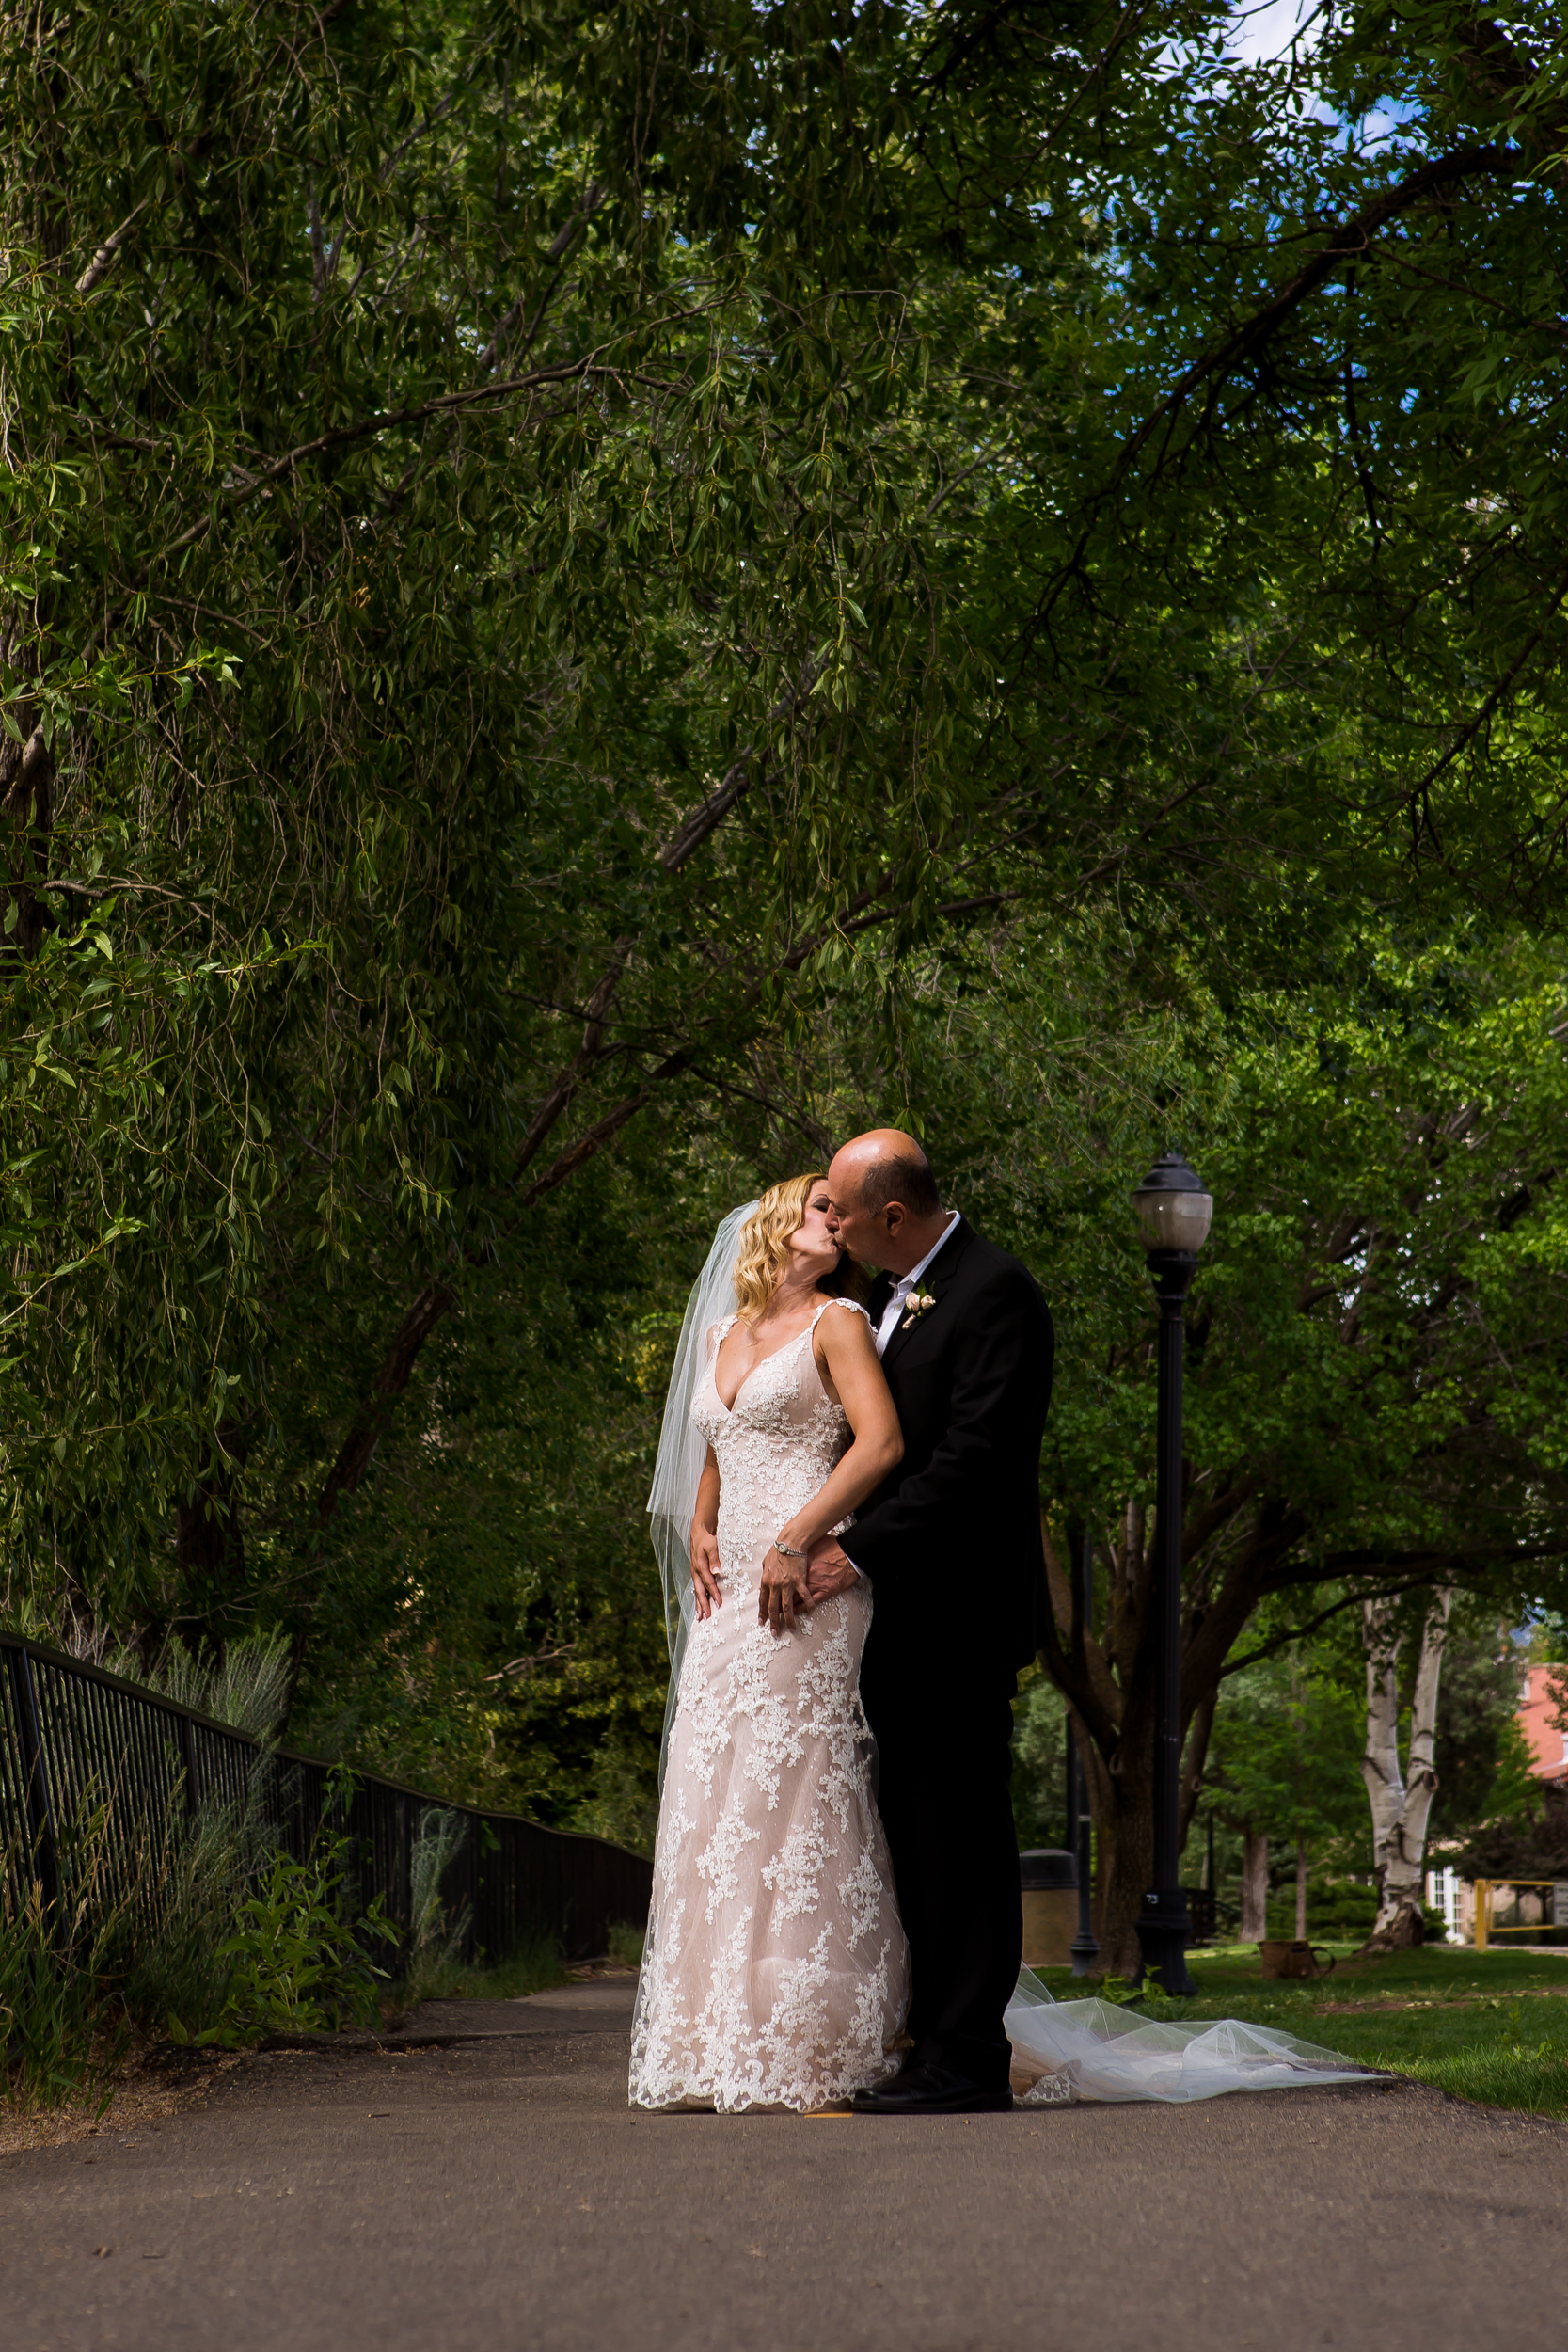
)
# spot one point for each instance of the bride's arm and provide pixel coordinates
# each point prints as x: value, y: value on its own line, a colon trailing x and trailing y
x: 704, y: 1541
x: 856, y: 1373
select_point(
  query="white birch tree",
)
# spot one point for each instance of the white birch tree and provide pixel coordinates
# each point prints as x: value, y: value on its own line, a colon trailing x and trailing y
x: 1400, y: 1795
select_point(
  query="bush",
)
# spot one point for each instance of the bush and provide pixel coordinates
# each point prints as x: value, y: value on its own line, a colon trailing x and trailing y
x: 57, y: 2041
x: 166, y: 1952
x: 1531, y: 1845
x: 297, y: 1961
x: 248, y: 1687
x: 211, y: 1934
x: 1335, y: 1912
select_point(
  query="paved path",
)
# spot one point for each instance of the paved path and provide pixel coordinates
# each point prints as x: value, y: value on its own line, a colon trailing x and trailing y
x: 495, y: 2192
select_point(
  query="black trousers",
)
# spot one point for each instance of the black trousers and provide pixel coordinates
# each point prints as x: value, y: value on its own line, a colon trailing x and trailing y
x: 945, y: 1766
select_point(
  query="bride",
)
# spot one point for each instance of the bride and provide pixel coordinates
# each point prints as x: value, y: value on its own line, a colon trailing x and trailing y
x: 775, y: 1973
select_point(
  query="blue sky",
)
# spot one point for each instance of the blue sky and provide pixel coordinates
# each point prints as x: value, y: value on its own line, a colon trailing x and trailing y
x: 1263, y: 32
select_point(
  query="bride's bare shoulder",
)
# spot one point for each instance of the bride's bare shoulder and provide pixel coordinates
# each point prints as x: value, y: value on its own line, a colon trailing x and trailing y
x: 834, y: 1330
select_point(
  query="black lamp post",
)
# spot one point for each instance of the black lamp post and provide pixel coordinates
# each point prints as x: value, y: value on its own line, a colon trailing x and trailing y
x: 1174, y: 1212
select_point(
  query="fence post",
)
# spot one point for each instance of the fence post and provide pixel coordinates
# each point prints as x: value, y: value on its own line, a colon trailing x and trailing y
x: 40, y: 1812
x: 406, y: 1872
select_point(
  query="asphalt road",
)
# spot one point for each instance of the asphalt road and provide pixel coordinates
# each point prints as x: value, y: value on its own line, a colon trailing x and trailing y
x: 496, y: 2192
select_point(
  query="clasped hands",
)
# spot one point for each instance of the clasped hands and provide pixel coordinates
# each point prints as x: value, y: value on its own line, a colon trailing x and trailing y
x: 789, y: 1587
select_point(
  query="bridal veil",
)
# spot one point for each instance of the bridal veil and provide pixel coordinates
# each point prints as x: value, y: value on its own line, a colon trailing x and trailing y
x: 1105, y: 2053
x: 683, y: 1450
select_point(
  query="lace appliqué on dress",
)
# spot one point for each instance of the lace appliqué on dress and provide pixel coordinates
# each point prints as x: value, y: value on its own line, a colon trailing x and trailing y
x: 795, y: 1873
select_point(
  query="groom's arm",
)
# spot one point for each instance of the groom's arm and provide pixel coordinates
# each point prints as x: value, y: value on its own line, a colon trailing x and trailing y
x: 1002, y: 1356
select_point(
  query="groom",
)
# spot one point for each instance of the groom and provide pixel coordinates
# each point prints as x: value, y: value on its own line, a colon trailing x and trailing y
x: 951, y: 1544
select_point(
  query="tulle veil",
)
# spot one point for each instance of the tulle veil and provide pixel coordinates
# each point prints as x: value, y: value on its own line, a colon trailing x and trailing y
x: 683, y: 1450
x: 1105, y: 2053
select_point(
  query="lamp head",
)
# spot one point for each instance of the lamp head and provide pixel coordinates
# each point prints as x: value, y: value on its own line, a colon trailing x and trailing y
x: 1173, y: 1208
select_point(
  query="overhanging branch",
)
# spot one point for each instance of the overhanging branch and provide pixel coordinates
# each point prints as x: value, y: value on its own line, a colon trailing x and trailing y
x: 1246, y: 341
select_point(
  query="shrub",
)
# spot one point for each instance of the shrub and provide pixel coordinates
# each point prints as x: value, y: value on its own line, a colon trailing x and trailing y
x: 164, y: 1953
x: 297, y: 1959
x: 57, y: 2039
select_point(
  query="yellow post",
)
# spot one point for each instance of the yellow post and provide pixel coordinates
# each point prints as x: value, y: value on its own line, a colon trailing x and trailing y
x: 1484, y: 1900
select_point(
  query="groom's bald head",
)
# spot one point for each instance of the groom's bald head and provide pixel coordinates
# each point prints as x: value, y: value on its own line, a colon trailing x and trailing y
x: 885, y: 1200
x: 887, y: 1165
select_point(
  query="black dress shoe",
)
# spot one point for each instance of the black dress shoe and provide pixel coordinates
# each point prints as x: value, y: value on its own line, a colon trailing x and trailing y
x: 933, y: 2089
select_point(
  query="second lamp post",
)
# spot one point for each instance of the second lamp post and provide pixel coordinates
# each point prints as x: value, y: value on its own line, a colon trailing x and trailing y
x: 1174, y: 1212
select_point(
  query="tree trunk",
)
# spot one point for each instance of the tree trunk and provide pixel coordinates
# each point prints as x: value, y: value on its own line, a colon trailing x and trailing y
x: 1120, y: 1802
x: 1401, y: 1803
x: 1128, y: 1870
x: 1301, y: 1890
x: 1255, y: 1887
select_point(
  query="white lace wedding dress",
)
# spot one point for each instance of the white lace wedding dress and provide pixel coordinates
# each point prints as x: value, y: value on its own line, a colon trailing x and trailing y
x: 775, y: 1972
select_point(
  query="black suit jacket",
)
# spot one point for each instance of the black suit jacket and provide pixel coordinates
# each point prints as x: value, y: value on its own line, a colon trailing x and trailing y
x: 951, y: 1539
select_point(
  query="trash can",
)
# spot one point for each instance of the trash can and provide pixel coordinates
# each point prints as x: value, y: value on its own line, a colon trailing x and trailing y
x: 1048, y: 1881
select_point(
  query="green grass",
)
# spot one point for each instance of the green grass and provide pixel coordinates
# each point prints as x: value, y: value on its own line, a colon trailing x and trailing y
x: 625, y: 1943
x: 532, y: 1968
x: 1489, y: 2025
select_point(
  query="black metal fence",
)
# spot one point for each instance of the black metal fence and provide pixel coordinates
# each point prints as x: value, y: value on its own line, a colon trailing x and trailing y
x: 75, y: 1742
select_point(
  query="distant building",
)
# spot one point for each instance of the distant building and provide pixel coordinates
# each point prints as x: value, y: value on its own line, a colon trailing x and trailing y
x: 1540, y: 1703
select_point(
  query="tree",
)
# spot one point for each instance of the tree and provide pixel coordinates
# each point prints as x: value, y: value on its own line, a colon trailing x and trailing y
x: 471, y: 655
x: 1484, y: 1762
x: 1400, y: 1794
x: 1041, y: 1778
x: 1299, y: 570
x: 1281, y: 1765
x: 529, y: 621
x: 1531, y: 1844
x: 1384, y: 1164
x: 565, y: 566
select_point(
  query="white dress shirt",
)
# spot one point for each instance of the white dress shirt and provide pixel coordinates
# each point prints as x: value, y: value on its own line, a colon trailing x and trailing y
x: 907, y: 1283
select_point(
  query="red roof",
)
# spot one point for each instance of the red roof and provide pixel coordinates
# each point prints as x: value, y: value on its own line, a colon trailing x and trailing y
x: 1541, y: 1700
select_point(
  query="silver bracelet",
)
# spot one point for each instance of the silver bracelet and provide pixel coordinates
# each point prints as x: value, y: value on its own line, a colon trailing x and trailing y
x: 787, y: 1552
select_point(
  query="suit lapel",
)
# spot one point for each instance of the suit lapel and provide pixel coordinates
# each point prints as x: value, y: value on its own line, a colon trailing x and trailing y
x: 935, y: 1281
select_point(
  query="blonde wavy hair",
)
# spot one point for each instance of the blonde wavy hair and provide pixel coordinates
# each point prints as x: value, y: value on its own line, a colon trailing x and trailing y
x: 763, y: 1257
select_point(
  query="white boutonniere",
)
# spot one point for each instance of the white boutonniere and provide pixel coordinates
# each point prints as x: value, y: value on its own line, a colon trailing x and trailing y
x: 917, y: 1304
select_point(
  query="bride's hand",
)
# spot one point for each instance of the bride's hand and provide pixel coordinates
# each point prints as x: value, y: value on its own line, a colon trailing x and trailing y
x: 704, y: 1570
x: 783, y: 1590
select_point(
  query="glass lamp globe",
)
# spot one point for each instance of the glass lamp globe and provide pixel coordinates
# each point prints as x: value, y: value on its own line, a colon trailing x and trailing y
x: 1173, y: 1208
